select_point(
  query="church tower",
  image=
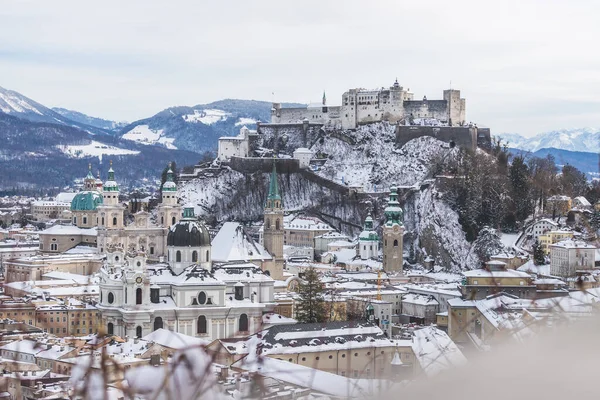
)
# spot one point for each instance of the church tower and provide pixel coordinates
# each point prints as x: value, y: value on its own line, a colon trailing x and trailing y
x: 169, y: 212
x: 110, y: 213
x: 273, y: 227
x: 393, y: 232
x: 368, y: 241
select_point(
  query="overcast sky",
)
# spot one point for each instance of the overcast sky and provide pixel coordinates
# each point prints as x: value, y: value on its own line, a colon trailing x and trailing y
x: 524, y: 66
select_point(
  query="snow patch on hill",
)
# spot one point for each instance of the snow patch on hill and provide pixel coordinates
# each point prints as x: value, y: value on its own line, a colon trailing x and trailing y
x: 245, y: 121
x: 207, y: 117
x: 94, y: 149
x: 145, y: 135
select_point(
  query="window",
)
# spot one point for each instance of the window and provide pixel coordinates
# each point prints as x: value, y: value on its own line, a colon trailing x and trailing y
x: 201, y: 324
x: 243, y: 323
x: 102, y: 220
x: 151, y: 249
x: 178, y: 256
x: 84, y: 220
x: 114, y: 221
x: 330, y: 357
x: 268, y: 224
x: 158, y: 323
x: 162, y: 220
x: 194, y: 256
x: 54, y: 247
x: 207, y: 256
x: 173, y: 220
x: 138, y: 331
x: 111, y: 298
x: 201, y: 298
x: 396, y: 243
x: 343, y: 356
x: 277, y: 224
x: 138, y: 296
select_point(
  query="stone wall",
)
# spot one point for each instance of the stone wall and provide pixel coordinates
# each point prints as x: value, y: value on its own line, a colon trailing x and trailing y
x: 469, y: 137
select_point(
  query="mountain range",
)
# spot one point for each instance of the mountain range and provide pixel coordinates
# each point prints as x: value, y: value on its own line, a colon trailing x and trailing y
x: 582, y: 140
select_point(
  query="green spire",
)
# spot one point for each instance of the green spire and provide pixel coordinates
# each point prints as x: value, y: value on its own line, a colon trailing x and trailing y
x: 111, y: 185
x: 273, y: 186
x: 89, y: 174
x: 393, y: 211
x: 169, y: 185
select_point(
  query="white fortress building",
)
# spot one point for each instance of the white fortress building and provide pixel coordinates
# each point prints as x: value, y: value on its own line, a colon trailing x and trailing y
x: 362, y: 106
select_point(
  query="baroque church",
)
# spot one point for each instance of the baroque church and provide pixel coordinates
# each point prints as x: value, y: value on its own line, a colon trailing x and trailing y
x: 190, y: 293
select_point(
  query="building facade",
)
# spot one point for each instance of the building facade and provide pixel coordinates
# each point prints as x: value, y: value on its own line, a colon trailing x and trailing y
x: 361, y: 106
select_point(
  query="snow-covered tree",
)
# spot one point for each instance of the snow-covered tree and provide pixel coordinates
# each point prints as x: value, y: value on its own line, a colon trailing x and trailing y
x: 539, y: 258
x: 311, y: 307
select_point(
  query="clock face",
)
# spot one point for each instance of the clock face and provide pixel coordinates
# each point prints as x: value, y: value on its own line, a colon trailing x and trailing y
x: 138, y: 280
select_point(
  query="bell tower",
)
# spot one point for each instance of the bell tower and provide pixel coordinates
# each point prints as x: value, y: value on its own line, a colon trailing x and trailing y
x: 393, y: 232
x: 273, y: 227
x: 169, y: 212
x: 110, y: 213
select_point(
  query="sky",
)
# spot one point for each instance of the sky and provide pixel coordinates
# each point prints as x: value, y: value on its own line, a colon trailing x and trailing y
x: 524, y: 66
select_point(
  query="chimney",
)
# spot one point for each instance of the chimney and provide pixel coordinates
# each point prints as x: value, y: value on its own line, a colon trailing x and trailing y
x: 136, y: 340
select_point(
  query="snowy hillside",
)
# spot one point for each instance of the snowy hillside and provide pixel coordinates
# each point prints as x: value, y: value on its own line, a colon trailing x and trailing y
x: 95, y: 149
x: 145, y: 135
x: 583, y: 139
x: 374, y: 162
x: 431, y: 225
x: 88, y: 120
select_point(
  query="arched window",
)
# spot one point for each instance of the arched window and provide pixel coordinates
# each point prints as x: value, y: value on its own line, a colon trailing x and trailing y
x: 243, y: 324
x: 173, y: 220
x: 201, y: 324
x: 138, y: 331
x: 84, y: 220
x: 396, y: 243
x: 114, y: 221
x: 268, y: 224
x: 201, y: 298
x: 207, y: 256
x: 194, y: 256
x: 277, y: 224
x: 110, y: 329
x: 138, y: 296
x: 102, y: 220
x: 111, y: 298
x: 178, y: 256
x: 162, y: 220
x: 158, y: 323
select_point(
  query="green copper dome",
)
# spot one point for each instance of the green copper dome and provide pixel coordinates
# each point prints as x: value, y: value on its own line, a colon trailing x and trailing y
x: 169, y: 185
x: 86, y: 201
x: 369, y: 234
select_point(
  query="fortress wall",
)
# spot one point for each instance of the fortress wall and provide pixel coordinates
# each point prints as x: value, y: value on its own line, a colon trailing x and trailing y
x: 437, y: 109
x: 461, y: 136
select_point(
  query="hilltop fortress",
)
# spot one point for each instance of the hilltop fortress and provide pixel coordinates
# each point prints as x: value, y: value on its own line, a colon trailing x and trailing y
x: 361, y: 106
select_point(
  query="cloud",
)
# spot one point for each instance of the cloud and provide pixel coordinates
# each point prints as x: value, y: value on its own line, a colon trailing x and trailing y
x: 129, y: 60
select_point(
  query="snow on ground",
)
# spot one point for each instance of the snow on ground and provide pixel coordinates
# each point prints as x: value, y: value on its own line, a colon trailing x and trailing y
x: 95, y: 149
x: 245, y: 121
x: 205, y: 193
x: 509, y: 239
x: 207, y: 117
x: 374, y: 162
x: 145, y: 135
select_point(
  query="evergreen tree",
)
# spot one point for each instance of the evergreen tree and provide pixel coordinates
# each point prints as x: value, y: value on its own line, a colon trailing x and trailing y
x: 520, y: 180
x: 311, y: 307
x: 539, y: 257
x: 573, y: 182
x: 595, y: 221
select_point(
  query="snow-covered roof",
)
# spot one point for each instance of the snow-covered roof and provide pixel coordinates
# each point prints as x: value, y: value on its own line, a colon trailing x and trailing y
x: 241, y: 273
x: 69, y: 230
x: 174, y: 340
x: 484, y: 273
x: 572, y: 244
x: 419, y: 299
x: 276, y: 319
x: 435, y: 351
x: 305, y: 223
x: 583, y: 201
x: 232, y: 243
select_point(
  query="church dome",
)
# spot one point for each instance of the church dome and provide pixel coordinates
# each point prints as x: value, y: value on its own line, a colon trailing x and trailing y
x: 86, y: 201
x: 189, y: 232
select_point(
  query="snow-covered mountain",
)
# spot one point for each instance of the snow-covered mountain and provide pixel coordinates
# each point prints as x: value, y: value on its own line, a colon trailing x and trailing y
x: 198, y: 128
x: 581, y: 139
x: 17, y: 105
x: 88, y: 120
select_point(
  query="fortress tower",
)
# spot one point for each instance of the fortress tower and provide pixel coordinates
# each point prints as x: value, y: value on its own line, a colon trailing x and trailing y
x: 393, y: 232
x: 273, y: 227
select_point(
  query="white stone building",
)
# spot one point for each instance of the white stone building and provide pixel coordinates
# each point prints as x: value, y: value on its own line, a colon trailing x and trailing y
x: 236, y: 146
x: 303, y: 155
x: 361, y: 106
x: 569, y: 256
